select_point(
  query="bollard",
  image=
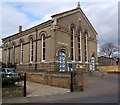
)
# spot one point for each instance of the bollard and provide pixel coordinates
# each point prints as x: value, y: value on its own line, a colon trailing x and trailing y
x: 25, y: 85
x: 71, y: 84
x: 82, y: 84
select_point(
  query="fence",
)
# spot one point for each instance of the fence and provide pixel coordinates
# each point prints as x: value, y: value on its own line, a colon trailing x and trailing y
x: 110, y: 68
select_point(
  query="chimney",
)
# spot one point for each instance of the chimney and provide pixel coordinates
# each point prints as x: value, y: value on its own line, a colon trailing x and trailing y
x: 20, y: 28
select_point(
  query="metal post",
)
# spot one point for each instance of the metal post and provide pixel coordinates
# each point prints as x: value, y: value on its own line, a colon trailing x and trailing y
x: 71, y: 85
x: 25, y: 85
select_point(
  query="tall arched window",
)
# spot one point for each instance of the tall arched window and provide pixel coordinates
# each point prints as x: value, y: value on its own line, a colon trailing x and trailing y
x: 21, y: 52
x: 6, y: 55
x: 31, y: 50
x: 79, y: 46
x: 72, y: 43
x: 13, y: 53
x: 43, y: 47
x: 85, y: 46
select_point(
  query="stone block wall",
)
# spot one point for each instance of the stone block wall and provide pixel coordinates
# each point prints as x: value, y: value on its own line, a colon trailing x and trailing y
x: 50, y: 78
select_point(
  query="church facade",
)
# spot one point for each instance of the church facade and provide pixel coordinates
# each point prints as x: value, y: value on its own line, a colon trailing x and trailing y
x: 67, y: 39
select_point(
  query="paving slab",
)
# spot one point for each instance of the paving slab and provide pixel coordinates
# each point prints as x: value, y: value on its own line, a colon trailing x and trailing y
x: 37, y: 89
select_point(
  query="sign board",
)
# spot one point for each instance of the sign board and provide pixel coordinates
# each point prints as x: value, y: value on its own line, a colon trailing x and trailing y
x: 70, y: 67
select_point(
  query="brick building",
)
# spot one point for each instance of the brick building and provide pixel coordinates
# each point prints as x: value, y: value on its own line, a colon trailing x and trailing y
x: 107, y: 61
x: 68, y: 38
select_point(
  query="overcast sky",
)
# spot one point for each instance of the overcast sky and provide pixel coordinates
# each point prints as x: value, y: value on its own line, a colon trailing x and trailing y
x: 102, y: 15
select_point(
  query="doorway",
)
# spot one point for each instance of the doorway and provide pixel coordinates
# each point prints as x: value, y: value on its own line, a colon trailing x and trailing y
x: 62, y: 61
x: 92, y: 64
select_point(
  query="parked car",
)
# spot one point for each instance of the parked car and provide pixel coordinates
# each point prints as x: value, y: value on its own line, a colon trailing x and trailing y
x: 9, y: 75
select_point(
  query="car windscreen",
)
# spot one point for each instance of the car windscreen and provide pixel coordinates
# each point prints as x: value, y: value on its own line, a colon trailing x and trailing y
x: 10, y: 70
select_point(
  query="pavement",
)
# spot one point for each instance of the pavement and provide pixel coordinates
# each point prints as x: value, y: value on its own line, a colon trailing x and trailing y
x: 36, y: 89
x: 94, y: 87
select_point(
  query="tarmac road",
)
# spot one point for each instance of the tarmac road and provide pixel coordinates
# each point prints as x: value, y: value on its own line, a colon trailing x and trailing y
x: 106, y: 98
x: 97, y: 90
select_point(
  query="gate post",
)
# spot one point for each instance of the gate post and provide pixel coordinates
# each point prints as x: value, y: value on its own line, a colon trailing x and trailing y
x: 25, y: 84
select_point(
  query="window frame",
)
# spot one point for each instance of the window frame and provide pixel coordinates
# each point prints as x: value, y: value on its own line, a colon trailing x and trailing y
x: 21, y: 52
x: 72, y: 42
x: 79, y: 46
x: 31, y: 50
x: 43, y: 46
x: 7, y: 55
x: 13, y: 53
x: 86, y: 48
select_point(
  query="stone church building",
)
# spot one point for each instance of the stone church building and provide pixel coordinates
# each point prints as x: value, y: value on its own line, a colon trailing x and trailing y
x: 66, y: 41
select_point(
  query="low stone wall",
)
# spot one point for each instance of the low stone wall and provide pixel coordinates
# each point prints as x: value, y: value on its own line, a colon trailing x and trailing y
x: 59, y: 79
x: 51, y: 78
x: 12, y: 92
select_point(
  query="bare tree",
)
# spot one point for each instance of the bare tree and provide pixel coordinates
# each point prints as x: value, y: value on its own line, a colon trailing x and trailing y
x: 108, y: 49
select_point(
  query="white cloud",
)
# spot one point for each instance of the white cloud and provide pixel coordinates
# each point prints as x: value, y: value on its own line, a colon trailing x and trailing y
x: 27, y: 14
x: 11, y: 19
x: 103, y: 16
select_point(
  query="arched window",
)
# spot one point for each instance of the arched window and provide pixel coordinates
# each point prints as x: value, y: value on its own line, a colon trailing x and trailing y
x: 72, y: 32
x: 6, y: 55
x: 13, y: 53
x: 43, y: 46
x: 21, y: 52
x: 79, y: 46
x: 31, y: 50
x: 85, y: 46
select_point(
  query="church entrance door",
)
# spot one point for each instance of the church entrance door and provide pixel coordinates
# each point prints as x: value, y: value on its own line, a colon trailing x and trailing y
x: 62, y: 61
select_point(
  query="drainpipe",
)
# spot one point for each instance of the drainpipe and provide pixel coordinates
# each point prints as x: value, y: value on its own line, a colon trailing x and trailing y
x: 36, y: 52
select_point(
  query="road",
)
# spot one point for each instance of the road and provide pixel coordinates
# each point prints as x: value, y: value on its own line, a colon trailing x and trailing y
x: 96, y: 90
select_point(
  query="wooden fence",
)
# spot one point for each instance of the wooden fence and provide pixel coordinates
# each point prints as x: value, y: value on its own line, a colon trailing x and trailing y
x: 110, y: 68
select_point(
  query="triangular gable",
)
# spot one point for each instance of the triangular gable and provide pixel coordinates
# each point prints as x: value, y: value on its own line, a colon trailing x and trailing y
x: 73, y: 11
